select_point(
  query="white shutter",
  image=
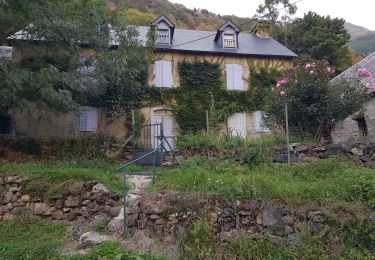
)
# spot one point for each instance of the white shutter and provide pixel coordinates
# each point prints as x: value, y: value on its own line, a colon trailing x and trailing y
x: 158, y: 70
x: 238, y: 77
x: 237, y: 125
x: 167, y: 74
x: 259, y: 124
x: 88, y: 119
x: 230, y: 76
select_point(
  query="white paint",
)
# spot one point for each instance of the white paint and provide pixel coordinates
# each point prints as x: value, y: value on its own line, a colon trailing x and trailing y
x: 237, y: 125
x: 168, y: 124
x: 234, y: 74
x: 163, y: 74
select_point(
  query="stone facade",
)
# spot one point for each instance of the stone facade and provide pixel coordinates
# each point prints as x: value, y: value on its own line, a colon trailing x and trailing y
x: 349, y: 131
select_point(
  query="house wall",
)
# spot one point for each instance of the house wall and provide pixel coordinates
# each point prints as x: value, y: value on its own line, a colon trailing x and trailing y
x: 246, y: 62
x: 65, y: 124
x: 347, y: 131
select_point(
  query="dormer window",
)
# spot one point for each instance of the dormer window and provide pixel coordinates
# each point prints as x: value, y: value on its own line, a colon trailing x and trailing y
x: 227, y: 36
x: 229, y: 40
x: 164, y: 30
x: 163, y: 36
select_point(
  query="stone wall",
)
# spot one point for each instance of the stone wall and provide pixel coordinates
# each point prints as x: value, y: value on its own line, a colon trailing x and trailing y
x: 348, y: 130
x: 87, y: 200
x: 363, y: 154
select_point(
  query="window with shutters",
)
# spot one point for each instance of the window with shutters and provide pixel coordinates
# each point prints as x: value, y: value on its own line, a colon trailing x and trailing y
x: 234, y: 74
x: 229, y: 40
x: 163, y: 36
x: 163, y: 74
x: 259, y: 124
x: 237, y: 125
x: 88, y: 119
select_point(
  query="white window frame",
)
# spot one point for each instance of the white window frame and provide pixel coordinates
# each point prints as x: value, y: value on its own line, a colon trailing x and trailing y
x: 229, y: 41
x: 163, y: 76
x: 259, y: 125
x: 88, y: 120
x: 163, y: 36
x: 235, y: 75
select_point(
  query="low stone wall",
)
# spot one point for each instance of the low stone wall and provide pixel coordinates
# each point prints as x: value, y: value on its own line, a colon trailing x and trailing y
x: 363, y: 154
x: 91, y: 199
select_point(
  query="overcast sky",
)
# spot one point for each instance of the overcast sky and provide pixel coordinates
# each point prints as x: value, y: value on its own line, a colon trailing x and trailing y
x: 359, y: 12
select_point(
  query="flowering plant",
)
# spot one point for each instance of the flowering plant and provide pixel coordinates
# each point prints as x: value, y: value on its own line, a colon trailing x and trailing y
x: 314, y: 104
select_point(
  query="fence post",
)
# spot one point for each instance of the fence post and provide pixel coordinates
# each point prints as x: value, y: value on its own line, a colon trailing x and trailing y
x: 133, y: 123
x: 287, y: 131
x: 207, y: 122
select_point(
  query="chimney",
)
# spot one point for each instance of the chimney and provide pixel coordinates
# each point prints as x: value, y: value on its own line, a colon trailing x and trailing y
x: 262, y: 29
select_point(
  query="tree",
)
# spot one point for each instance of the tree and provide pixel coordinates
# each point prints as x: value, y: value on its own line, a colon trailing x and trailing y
x: 315, y: 105
x: 53, y: 77
x: 322, y: 38
x: 271, y: 10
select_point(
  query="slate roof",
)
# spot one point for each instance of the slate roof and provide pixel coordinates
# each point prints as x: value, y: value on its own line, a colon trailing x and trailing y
x: 203, y: 42
x: 352, y: 72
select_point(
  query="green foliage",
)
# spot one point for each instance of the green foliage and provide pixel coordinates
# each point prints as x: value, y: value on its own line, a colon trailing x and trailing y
x: 271, y: 9
x: 319, y: 183
x: 198, y: 242
x: 30, y: 239
x: 314, y: 105
x: 323, y: 38
x: 364, y: 43
x: 48, y: 176
x: 112, y: 250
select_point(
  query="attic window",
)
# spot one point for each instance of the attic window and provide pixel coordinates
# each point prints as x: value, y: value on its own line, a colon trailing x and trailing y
x: 163, y: 36
x: 229, y: 40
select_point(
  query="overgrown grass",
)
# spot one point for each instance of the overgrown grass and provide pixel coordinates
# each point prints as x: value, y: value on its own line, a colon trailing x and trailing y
x: 30, y: 239
x: 334, y: 181
x: 63, y: 171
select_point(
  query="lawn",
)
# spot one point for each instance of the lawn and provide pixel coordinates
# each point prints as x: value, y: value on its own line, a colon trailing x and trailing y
x: 327, y: 182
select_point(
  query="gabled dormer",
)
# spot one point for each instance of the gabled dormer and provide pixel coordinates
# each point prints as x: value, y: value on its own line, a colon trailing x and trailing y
x: 227, y: 36
x: 164, y: 30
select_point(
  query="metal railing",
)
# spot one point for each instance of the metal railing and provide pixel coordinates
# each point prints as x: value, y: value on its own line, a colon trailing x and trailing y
x: 229, y: 43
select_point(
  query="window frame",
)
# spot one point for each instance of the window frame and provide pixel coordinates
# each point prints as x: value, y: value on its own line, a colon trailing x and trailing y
x: 168, y: 34
x: 234, y: 39
x: 84, y: 124
x: 240, y: 79
x: 164, y: 82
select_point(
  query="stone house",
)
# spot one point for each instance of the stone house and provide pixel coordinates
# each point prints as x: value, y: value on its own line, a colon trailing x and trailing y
x: 359, y: 127
x: 233, y: 50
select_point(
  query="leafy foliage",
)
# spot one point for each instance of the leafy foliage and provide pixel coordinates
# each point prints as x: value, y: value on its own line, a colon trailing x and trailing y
x: 314, y: 104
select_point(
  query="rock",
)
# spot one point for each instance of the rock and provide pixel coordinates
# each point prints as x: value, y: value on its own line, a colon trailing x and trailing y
x: 40, y: 208
x: 250, y: 205
x: 14, y: 189
x: 92, y: 238
x: 245, y: 213
x: 100, y: 188
x: 228, y: 212
x: 334, y: 149
x: 72, y: 202
x: 292, y: 240
x: 213, y: 217
x: 3, y: 210
x: 283, y: 158
x: 93, y: 208
x: 288, y: 220
x: 13, y: 179
x: 26, y: 198
x: 365, y: 158
x: 71, y: 216
x: 153, y: 203
x: 271, y: 216
x: 226, y: 236
x: 302, y: 148
x: 17, y: 211
x: 154, y: 217
x: 116, y: 225
x: 356, y: 151
x: 18, y: 203
x: 86, y: 195
x: 259, y: 220
x: 114, y: 211
x: 85, y: 202
x: 66, y: 210
x: 8, y: 216
x: 316, y: 216
x: 9, y: 197
x: 57, y: 215
x: 160, y: 221
x: 59, y: 204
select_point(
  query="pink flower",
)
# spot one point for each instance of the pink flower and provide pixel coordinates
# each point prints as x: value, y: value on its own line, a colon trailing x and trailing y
x: 272, y: 89
x: 363, y: 72
x: 368, y: 85
x: 329, y: 70
x: 308, y: 66
x: 333, y: 71
x: 282, y: 93
x: 296, y: 81
x: 311, y: 72
x: 278, y: 85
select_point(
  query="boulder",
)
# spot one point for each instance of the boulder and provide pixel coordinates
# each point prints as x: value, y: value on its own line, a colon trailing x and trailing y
x: 26, y: 198
x: 14, y: 189
x: 100, y: 188
x: 302, y: 148
x: 271, y: 216
x: 92, y: 238
x: 13, y: 179
x: 250, y: 205
x: 283, y: 158
x: 114, y: 211
x: 356, y: 151
x: 71, y: 216
x: 153, y: 203
x: 57, y: 215
x: 72, y: 202
x: 40, y: 208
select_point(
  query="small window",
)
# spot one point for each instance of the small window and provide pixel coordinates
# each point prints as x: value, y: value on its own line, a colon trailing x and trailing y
x: 88, y: 119
x: 362, y: 125
x: 237, y: 125
x: 259, y: 123
x: 229, y: 40
x: 163, y: 74
x: 87, y: 69
x: 163, y: 36
x: 234, y: 77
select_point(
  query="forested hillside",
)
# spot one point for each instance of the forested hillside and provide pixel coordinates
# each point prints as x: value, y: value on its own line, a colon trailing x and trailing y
x: 142, y: 12
x: 362, y: 41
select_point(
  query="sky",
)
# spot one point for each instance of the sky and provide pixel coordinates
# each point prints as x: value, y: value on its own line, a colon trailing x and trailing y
x: 359, y: 12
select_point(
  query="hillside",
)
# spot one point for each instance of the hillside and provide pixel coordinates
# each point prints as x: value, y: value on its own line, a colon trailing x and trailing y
x: 362, y: 41
x: 142, y: 12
